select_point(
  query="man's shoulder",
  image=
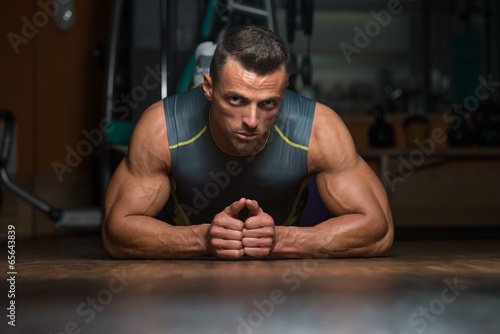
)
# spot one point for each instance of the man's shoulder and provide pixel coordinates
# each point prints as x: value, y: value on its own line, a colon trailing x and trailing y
x: 153, y: 113
x: 187, y: 107
x: 331, y: 142
x: 326, y: 117
x: 191, y: 96
x: 150, y: 129
x: 151, y: 121
x: 292, y: 96
x: 295, y: 107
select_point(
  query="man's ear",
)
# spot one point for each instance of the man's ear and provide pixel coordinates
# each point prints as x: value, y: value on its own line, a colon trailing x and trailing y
x: 208, y: 87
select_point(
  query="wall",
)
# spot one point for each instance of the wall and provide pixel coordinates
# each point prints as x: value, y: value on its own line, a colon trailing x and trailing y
x: 54, y: 88
x: 50, y: 79
x: 456, y: 192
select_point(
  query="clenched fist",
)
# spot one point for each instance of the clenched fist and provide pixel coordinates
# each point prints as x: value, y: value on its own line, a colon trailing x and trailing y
x: 225, y: 234
x: 258, y: 233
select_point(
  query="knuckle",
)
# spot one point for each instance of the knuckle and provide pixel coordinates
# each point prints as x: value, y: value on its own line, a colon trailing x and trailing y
x: 215, y: 242
x: 268, y: 220
x: 258, y: 253
x: 267, y: 242
x: 215, y: 231
x: 239, y: 225
x: 229, y: 254
x: 238, y: 235
x: 218, y: 219
x: 269, y: 231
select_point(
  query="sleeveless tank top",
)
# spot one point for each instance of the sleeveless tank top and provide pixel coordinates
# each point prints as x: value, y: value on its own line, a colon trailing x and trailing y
x: 205, y: 179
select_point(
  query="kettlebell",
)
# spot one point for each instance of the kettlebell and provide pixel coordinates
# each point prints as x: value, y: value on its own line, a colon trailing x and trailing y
x: 487, y: 121
x: 417, y: 129
x: 381, y: 134
x: 460, y: 134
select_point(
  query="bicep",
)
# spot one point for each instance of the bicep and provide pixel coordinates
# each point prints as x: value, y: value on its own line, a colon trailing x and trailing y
x: 131, y: 192
x: 353, y: 190
x: 346, y: 184
x: 140, y: 185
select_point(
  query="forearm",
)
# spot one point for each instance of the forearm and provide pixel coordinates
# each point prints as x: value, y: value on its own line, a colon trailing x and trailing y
x: 149, y: 238
x: 352, y: 235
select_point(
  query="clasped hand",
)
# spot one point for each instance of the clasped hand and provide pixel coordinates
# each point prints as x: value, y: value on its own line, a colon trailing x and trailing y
x: 230, y: 238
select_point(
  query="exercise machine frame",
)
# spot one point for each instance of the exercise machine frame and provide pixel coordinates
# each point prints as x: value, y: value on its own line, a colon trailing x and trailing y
x: 69, y: 218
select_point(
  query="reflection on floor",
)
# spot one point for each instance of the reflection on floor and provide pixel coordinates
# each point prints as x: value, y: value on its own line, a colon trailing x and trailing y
x: 69, y: 285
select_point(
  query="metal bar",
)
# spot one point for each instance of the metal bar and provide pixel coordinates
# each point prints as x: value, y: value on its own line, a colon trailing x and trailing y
x: 494, y: 47
x: 112, y: 52
x: 248, y: 9
x: 266, y: 13
x: 7, y: 139
x: 426, y: 57
x: 164, y: 47
x: 270, y: 17
x: 7, y: 136
x: 35, y: 201
x: 112, y: 56
x: 81, y: 219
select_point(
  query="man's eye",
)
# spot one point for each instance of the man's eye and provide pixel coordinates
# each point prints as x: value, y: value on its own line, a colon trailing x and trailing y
x: 268, y: 104
x: 234, y: 99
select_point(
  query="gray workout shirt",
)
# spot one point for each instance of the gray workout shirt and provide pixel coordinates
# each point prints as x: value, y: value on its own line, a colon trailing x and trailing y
x: 205, y: 179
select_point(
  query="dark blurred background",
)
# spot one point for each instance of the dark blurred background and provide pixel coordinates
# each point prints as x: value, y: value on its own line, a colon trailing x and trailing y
x: 417, y: 83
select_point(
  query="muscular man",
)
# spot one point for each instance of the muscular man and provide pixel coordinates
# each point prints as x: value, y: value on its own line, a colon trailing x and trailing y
x: 229, y: 163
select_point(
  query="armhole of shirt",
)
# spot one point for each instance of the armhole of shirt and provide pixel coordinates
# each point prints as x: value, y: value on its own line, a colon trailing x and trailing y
x: 171, y: 125
x: 305, y: 115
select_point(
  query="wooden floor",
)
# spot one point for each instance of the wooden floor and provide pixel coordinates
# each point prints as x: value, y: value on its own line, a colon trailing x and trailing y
x: 69, y: 285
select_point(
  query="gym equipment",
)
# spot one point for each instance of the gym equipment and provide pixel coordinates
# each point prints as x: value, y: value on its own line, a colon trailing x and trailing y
x: 487, y: 120
x: 119, y: 131
x: 87, y: 219
x: 381, y: 134
x: 160, y: 32
x: 232, y: 8
x: 417, y: 129
x: 187, y: 74
x: 306, y: 69
x: 64, y: 15
x: 291, y: 18
x: 459, y: 133
x: 307, y: 11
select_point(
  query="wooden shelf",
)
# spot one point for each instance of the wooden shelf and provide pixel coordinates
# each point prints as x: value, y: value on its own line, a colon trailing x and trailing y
x: 384, y: 155
x: 465, y: 152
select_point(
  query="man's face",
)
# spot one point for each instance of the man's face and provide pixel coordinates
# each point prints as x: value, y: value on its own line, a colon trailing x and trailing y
x: 244, y: 107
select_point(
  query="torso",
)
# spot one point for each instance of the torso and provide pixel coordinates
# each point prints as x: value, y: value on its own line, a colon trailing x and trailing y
x: 205, y: 179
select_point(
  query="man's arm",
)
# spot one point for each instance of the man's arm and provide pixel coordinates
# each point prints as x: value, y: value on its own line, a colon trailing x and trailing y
x: 349, y: 188
x: 136, y: 193
x: 139, y: 189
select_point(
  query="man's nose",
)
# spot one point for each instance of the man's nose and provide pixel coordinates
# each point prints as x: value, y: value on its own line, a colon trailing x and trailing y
x: 251, y: 118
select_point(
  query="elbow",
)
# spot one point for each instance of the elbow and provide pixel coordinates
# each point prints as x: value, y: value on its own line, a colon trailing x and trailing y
x: 384, y: 245
x: 110, y: 241
x: 111, y: 249
x: 383, y: 238
x: 109, y: 245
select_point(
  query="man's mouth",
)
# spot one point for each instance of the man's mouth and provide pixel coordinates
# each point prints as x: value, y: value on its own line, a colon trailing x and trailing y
x: 247, y: 135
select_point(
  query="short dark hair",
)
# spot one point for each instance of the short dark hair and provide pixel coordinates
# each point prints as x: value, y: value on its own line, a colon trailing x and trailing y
x: 256, y: 48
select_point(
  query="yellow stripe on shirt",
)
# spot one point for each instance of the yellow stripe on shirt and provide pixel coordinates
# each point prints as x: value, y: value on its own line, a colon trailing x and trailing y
x: 190, y: 140
x: 288, y: 140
